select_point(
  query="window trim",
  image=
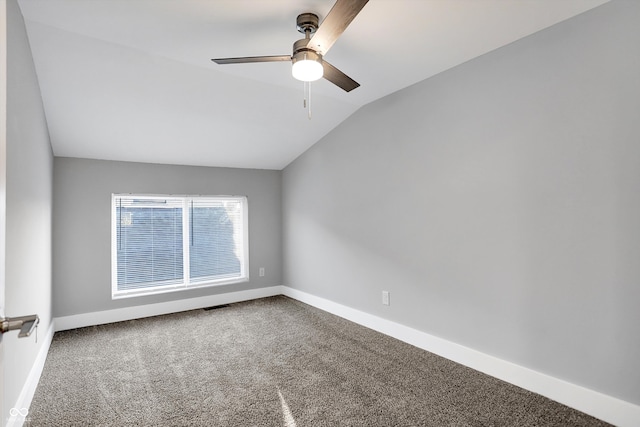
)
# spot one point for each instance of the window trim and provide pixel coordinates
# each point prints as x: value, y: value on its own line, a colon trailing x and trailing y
x: 186, y: 283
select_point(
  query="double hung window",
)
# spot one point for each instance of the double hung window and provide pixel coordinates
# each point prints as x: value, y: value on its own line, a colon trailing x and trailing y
x: 168, y: 243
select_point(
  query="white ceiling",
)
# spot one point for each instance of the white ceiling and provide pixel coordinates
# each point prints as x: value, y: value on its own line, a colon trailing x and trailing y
x: 132, y: 80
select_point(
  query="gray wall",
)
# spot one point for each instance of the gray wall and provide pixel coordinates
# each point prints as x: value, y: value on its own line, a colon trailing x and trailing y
x: 498, y: 202
x: 28, y: 207
x: 82, y: 225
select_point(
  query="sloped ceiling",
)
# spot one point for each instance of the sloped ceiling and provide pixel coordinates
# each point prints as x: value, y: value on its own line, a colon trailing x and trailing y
x: 132, y: 80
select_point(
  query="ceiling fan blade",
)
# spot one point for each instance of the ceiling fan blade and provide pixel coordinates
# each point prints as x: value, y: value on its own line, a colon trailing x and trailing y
x: 334, y: 24
x: 247, y: 59
x: 338, y: 78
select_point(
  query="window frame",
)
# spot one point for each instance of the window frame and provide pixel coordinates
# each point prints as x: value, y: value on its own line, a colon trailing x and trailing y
x: 186, y: 283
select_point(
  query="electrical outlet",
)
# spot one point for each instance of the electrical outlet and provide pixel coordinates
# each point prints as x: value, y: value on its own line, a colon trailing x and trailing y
x: 261, y: 272
x: 385, y: 297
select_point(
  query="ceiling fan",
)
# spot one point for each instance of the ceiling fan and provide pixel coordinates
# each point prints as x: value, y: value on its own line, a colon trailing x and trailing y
x: 307, y: 58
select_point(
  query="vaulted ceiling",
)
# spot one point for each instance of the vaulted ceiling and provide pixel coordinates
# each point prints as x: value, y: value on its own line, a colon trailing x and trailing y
x: 132, y: 80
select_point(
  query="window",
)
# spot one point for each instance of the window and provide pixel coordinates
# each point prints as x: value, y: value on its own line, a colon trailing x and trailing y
x: 168, y: 243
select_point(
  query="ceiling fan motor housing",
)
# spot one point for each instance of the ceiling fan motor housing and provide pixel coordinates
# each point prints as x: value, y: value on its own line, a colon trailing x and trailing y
x: 300, y: 49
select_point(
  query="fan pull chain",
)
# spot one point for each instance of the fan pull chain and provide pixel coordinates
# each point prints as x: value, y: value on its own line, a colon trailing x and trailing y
x: 309, y: 106
x: 304, y: 95
x: 306, y: 102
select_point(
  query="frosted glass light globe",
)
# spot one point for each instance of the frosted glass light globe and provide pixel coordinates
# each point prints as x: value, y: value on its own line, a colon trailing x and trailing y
x: 307, y: 67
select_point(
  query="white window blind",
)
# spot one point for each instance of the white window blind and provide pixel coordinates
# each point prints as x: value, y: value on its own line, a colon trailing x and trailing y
x: 149, y: 242
x: 219, y: 221
x: 169, y: 243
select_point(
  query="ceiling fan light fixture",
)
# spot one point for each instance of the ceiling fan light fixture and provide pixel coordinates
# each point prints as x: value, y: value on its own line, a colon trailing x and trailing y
x: 307, y: 66
x: 307, y: 62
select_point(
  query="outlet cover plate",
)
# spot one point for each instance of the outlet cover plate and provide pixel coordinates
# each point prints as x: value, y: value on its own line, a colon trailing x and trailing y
x: 385, y: 297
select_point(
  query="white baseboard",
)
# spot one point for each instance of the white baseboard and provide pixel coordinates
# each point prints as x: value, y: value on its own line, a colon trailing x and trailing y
x: 602, y: 406
x: 28, y: 390
x: 157, y: 309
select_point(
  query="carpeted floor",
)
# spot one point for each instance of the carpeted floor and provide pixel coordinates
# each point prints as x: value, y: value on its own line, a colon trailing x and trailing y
x: 269, y: 362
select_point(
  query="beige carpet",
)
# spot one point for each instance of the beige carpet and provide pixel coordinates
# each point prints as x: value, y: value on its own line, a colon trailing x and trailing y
x: 269, y: 362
